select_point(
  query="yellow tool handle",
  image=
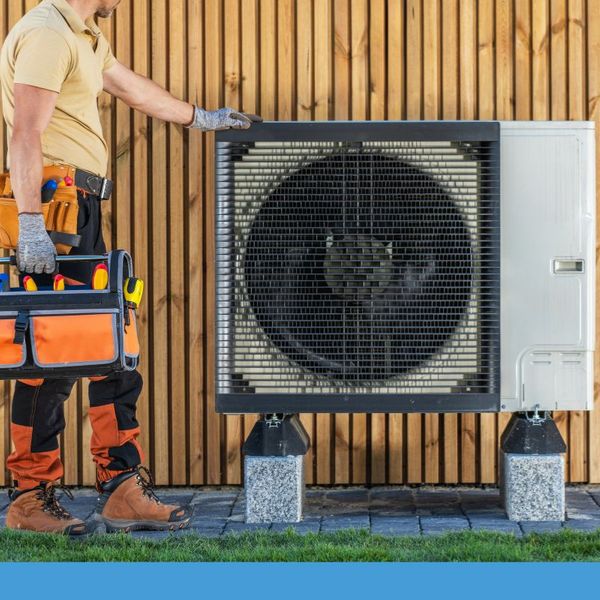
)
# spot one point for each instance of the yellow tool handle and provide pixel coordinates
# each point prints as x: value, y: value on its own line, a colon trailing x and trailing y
x: 133, y: 290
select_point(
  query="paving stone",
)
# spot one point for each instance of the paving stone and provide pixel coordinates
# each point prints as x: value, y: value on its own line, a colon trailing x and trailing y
x: 393, y: 511
x: 217, y: 497
x: 540, y: 526
x: 442, y: 524
x: 395, y: 526
x: 205, y: 523
x: 302, y: 528
x: 317, y: 494
x: 233, y: 527
x: 439, y: 511
x: 213, y: 510
x: 583, y: 524
x: 441, y: 496
x: 341, y: 510
x: 349, y: 496
x: 158, y: 536
x: 3, y: 500
x: 497, y: 526
x: 337, y: 523
x: 489, y: 518
x: 392, y: 494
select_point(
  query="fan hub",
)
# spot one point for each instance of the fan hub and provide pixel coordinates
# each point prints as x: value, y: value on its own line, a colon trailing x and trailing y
x: 357, y: 266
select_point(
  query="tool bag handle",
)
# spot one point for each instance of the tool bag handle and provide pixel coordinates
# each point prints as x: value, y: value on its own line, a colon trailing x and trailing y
x: 12, y: 260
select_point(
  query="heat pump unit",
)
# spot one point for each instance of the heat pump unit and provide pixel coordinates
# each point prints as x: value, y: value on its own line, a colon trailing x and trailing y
x: 405, y: 267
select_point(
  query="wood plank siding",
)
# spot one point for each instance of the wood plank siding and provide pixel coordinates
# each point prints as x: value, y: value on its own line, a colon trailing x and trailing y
x: 306, y: 60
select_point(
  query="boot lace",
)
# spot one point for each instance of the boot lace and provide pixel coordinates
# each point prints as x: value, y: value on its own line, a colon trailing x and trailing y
x: 50, y: 503
x: 146, y: 482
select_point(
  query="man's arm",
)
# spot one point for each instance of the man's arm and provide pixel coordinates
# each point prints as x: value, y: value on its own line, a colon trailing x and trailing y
x: 144, y: 95
x: 33, y: 109
x: 148, y: 97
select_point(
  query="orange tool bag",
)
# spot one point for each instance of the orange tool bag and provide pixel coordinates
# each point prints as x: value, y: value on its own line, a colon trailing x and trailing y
x: 75, y: 332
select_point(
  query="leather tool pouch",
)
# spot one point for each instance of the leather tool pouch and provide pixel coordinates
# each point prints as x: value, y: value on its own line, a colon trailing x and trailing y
x: 60, y: 215
x: 76, y: 333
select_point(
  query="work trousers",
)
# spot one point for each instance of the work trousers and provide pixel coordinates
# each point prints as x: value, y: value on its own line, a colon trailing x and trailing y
x: 37, y: 417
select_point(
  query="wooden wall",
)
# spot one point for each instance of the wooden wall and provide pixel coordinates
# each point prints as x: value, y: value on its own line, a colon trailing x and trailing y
x: 308, y: 60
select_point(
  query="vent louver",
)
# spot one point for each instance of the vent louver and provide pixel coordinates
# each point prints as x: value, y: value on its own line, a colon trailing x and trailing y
x: 358, y: 267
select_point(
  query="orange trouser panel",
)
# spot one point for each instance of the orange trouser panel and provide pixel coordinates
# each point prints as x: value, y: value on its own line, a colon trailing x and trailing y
x: 30, y: 468
x: 38, y: 419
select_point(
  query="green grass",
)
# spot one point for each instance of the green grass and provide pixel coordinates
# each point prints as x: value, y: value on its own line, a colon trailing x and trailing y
x: 289, y: 546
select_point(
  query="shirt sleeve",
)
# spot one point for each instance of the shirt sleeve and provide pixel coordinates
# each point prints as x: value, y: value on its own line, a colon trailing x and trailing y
x: 108, y: 58
x: 43, y: 59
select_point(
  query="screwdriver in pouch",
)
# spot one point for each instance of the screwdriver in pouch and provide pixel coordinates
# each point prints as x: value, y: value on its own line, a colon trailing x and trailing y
x: 133, y: 290
x: 59, y: 283
x: 29, y: 284
x: 4, y: 282
x: 48, y: 190
x: 100, y: 277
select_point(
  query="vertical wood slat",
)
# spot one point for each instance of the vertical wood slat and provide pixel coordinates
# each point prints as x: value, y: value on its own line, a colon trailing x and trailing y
x: 213, y: 62
x: 414, y: 104
x: 158, y: 296
x: 306, y: 59
x: 342, y: 107
x: 377, y: 96
x: 233, y: 423
x: 395, y: 111
x: 195, y: 250
x: 359, y: 36
x: 322, y: 75
x: 449, y: 110
x: 468, y: 110
x: 431, y: 111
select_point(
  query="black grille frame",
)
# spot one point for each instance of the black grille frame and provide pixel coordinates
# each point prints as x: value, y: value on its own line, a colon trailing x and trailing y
x: 235, y: 393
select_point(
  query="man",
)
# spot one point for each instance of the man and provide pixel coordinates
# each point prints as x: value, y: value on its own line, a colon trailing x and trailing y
x: 54, y: 64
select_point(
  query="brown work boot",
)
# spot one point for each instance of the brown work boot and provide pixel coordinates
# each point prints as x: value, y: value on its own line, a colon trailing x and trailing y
x: 128, y: 502
x: 39, y: 510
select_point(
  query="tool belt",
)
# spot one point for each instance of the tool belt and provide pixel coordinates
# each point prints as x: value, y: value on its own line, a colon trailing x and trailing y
x: 60, y: 214
x: 78, y: 332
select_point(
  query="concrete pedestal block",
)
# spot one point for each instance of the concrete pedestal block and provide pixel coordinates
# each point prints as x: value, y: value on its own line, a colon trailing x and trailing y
x: 533, y: 487
x: 274, y: 470
x: 532, y: 476
x: 274, y: 488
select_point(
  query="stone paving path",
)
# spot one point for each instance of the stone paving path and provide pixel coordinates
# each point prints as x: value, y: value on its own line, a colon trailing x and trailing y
x: 382, y: 510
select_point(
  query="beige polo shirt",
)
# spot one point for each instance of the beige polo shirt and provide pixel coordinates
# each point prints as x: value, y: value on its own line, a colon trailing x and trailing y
x: 52, y: 48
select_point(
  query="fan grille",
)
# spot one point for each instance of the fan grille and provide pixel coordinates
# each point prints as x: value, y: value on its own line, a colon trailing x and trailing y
x: 357, y: 268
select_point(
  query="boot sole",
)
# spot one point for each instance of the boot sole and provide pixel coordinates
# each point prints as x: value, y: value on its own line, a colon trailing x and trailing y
x: 117, y: 525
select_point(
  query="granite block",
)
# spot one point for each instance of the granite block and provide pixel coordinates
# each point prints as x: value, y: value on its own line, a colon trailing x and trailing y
x: 274, y: 487
x: 533, y: 487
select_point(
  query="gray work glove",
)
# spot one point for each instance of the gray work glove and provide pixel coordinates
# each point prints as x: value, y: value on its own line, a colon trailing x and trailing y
x: 223, y: 118
x: 35, y: 251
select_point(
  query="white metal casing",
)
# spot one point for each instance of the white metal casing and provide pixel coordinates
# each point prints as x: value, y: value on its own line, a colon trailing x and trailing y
x: 547, y: 214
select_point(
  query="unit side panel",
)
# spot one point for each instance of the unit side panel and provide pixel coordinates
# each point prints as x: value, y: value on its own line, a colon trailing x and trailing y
x: 547, y: 272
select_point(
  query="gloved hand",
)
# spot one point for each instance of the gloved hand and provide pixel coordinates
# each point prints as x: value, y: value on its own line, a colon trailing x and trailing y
x: 35, y: 251
x: 223, y: 118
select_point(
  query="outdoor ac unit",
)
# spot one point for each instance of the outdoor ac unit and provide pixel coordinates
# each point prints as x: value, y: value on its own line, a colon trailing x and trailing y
x: 405, y: 267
